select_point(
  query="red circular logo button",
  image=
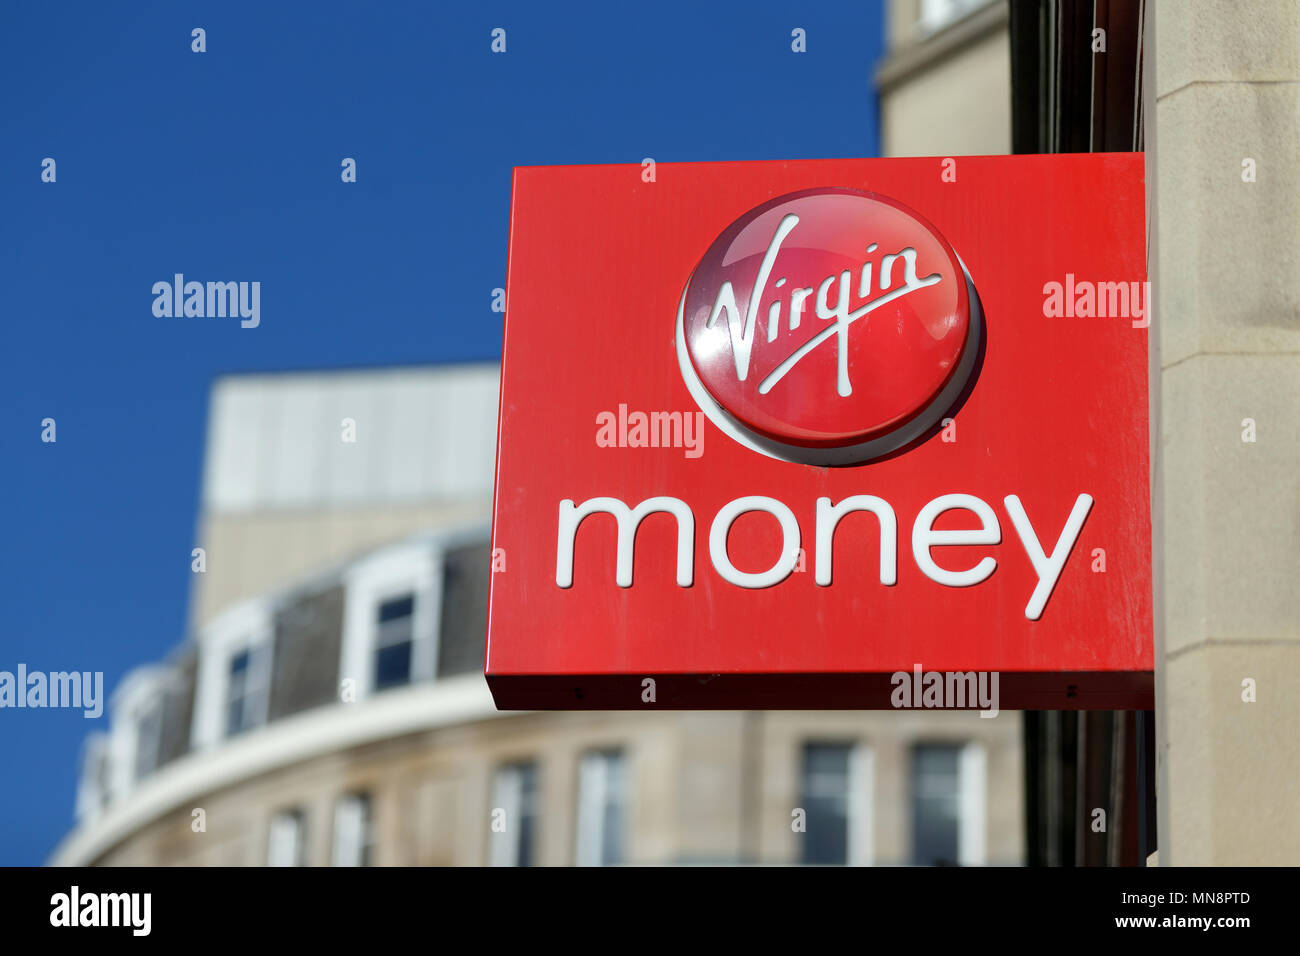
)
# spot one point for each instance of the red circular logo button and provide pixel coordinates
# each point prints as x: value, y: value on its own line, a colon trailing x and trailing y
x: 829, y: 327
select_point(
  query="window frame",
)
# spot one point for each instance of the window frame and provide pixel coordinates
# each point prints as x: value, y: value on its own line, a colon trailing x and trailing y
x: 970, y: 796
x: 859, y: 797
x: 391, y: 574
x: 299, y: 819
x: 256, y: 690
x: 246, y: 628
x: 366, y: 814
x: 589, y: 838
x: 519, y: 803
x: 139, y: 693
x: 380, y: 643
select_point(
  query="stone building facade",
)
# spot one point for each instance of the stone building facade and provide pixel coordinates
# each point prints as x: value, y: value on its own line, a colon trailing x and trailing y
x: 329, y: 706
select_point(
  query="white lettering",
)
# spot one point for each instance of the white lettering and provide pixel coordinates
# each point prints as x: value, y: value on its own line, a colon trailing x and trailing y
x: 1048, y: 569
x: 924, y: 537
x: 827, y: 518
x: 741, y: 328
x: 789, y: 547
x: 628, y: 519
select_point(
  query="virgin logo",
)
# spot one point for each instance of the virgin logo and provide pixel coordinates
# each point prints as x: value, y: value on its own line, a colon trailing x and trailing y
x: 828, y: 327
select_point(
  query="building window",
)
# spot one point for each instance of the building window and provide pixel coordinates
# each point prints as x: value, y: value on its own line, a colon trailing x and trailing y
x: 602, y: 808
x: 285, y: 841
x: 390, y: 618
x: 232, y: 674
x: 948, y: 805
x: 514, y: 804
x: 94, y: 786
x: 245, y: 691
x: 394, y: 638
x: 836, y: 799
x: 352, y: 831
x: 148, y: 736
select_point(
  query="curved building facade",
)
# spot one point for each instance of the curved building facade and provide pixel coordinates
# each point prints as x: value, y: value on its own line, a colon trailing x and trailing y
x: 329, y: 706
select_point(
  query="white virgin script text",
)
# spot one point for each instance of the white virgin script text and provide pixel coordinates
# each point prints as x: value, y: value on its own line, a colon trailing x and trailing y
x: 741, y: 328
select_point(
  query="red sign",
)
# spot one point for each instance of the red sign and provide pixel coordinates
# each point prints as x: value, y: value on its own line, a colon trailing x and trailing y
x: 774, y: 433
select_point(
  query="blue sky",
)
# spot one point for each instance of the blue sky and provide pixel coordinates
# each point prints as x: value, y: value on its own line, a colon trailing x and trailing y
x: 225, y: 165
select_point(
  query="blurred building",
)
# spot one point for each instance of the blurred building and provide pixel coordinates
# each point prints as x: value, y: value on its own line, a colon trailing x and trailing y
x: 945, y: 81
x: 329, y: 707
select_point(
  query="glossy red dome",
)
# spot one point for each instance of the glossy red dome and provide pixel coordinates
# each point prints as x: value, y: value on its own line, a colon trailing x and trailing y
x: 827, y: 318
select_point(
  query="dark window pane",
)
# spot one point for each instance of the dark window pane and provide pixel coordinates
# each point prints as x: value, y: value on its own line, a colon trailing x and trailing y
x: 516, y: 788
x: 527, y: 813
x: 526, y: 841
x: 396, y: 608
x: 825, y: 781
x: 237, y: 716
x: 393, y: 642
x: 935, y: 810
x: 393, y: 665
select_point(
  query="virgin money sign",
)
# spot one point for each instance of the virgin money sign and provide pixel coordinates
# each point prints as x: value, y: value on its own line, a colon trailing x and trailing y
x: 773, y: 433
